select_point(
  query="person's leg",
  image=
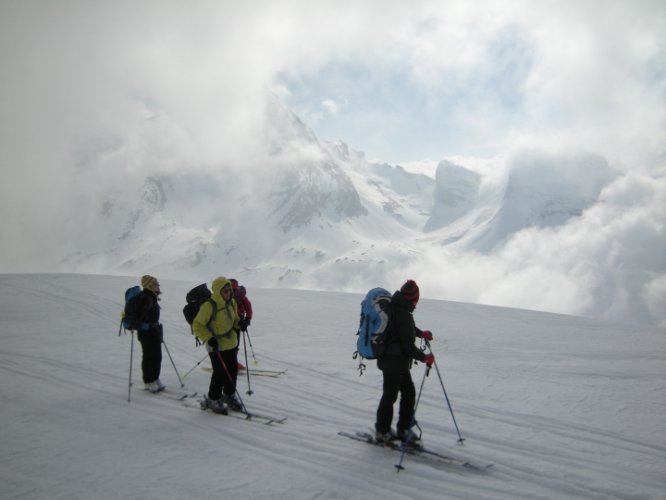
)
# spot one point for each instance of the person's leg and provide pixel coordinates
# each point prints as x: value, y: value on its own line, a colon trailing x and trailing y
x: 153, y: 355
x: 407, y: 401
x: 216, y: 378
x: 146, y: 357
x: 231, y: 362
x: 391, y: 386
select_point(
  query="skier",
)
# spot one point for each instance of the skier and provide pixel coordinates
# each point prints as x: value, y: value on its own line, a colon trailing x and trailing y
x: 244, y: 310
x: 395, y: 364
x: 218, y: 330
x: 150, y: 332
x: 243, y: 303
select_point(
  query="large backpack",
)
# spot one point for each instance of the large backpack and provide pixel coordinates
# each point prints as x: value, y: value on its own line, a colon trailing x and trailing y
x: 195, y: 298
x: 128, y: 318
x: 375, y: 316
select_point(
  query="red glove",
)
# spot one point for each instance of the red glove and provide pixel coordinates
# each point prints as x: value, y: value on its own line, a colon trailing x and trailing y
x: 429, y: 359
x: 426, y: 335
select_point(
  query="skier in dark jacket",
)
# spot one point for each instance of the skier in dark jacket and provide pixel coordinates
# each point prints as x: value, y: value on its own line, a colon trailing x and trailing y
x: 396, y: 362
x: 150, y: 332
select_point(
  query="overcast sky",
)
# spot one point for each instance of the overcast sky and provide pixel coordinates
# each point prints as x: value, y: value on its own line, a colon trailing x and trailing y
x: 401, y: 81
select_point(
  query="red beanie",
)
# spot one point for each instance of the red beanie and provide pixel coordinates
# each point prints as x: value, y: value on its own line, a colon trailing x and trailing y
x: 410, y: 291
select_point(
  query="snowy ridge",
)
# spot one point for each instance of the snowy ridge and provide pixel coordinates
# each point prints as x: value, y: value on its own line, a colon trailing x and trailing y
x: 564, y: 407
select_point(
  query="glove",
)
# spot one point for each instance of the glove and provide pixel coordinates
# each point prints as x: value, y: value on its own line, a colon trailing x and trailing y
x: 213, y: 343
x: 426, y: 335
x: 244, y: 323
x: 429, y: 359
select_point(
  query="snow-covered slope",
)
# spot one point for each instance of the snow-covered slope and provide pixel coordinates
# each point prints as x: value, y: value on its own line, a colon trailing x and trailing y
x: 564, y: 407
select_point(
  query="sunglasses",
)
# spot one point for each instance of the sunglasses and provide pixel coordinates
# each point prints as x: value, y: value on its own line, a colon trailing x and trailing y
x: 226, y: 289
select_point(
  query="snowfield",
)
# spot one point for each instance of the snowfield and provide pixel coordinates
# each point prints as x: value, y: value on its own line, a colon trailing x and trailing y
x: 564, y: 407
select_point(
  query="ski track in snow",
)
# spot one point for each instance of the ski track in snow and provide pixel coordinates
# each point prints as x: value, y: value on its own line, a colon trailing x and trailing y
x: 564, y: 407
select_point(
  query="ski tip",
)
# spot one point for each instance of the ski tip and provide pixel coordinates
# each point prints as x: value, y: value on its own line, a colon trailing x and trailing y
x: 477, y: 467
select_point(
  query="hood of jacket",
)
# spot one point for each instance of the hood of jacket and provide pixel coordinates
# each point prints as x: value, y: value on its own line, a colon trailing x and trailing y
x: 218, y: 284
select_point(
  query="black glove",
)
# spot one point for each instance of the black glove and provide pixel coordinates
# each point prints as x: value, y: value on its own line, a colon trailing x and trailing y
x: 213, y: 343
x: 244, y: 323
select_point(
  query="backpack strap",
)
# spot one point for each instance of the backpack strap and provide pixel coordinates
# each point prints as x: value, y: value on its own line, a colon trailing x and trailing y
x: 212, y: 318
x: 213, y: 306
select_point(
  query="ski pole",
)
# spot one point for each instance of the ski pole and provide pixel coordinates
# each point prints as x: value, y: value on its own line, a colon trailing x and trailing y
x: 403, y: 447
x: 247, y: 370
x: 446, y: 396
x: 226, y: 370
x: 129, y: 385
x: 192, y: 369
x: 251, y: 348
x: 174, y: 364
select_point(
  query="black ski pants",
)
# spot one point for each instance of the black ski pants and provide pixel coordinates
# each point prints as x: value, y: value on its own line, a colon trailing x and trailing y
x: 225, y: 369
x: 151, y: 362
x: 397, y: 379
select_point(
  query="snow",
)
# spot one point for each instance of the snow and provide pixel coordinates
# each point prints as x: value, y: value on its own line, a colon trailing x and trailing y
x: 564, y: 407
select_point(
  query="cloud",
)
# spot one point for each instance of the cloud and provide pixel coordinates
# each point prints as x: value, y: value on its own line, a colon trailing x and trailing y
x: 483, y: 79
x: 329, y: 106
x: 426, y: 80
x: 595, y: 82
x: 607, y: 263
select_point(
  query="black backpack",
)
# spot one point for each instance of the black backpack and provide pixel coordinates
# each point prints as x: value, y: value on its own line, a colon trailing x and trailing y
x: 129, y: 319
x: 195, y: 298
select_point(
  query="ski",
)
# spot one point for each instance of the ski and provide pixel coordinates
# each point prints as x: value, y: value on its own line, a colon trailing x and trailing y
x: 266, y: 373
x: 267, y: 419
x: 257, y: 417
x: 276, y: 372
x: 253, y: 372
x: 178, y: 396
x: 168, y: 393
x: 422, y: 452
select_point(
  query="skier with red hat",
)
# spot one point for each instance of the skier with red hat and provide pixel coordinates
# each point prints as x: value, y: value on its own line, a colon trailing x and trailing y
x: 395, y: 364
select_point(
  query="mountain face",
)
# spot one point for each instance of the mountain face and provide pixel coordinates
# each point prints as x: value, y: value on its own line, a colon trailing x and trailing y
x: 544, y: 191
x: 456, y: 194
x: 309, y: 213
x: 315, y: 190
x: 312, y: 207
